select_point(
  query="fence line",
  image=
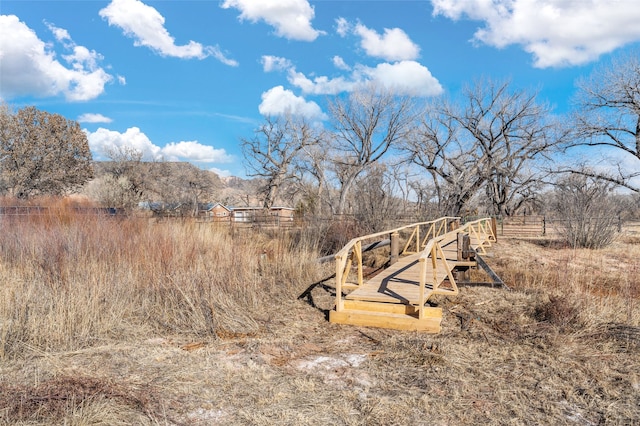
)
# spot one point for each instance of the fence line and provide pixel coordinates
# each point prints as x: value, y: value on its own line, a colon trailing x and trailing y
x: 13, y: 211
x: 514, y: 226
x: 538, y: 225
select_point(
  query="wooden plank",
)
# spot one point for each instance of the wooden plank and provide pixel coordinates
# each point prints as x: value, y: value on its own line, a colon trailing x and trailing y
x: 393, y: 308
x: 412, y: 297
x: 350, y: 286
x: 496, y: 279
x: 462, y: 263
x: 386, y: 320
x: 400, y: 283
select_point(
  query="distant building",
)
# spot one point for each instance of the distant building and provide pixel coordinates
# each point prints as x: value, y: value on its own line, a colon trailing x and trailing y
x: 247, y: 214
x: 279, y: 216
x: 219, y: 213
x: 284, y: 214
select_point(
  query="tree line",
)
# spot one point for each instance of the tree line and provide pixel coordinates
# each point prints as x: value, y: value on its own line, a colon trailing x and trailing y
x: 493, y: 149
x: 46, y: 154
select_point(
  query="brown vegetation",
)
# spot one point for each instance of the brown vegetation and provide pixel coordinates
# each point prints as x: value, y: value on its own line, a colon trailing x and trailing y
x: 124, y: 321
x: 41, y: 153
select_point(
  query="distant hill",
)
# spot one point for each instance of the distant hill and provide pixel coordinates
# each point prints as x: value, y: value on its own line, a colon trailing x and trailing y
x: 177, y: 180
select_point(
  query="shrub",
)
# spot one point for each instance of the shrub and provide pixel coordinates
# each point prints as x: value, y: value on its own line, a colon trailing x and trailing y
x: 560, y: 311
x: 588, y: 211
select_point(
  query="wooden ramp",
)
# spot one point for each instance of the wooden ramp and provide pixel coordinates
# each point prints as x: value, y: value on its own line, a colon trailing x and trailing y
x: 397, y: 297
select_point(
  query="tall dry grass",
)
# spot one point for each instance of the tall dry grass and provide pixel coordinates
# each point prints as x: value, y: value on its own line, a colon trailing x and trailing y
x: 71, y: 280
x: 582, y: 287
x: 561, y: 348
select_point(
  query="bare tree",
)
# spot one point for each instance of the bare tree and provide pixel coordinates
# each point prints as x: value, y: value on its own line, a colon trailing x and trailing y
x: 402, y: 184
x: 42, y: 153
x: 375, y: 201
x: 454, y: 167
x: 127, y: 180
x: 609, y: 115
x: 311, y: 169
x: 200, y: 185
x: 366, y: 126
x: 587, y: 209
x: 123, y: 181
x: 180, y: 187
x: 273, y: 150
x: 110, y: 191
x: 425, y: 193
x: 492, y: 140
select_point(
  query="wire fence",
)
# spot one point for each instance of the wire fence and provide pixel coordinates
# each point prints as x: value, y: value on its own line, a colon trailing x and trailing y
x: 528, y: 226
x: 30, y: 211
x: 545, y: 226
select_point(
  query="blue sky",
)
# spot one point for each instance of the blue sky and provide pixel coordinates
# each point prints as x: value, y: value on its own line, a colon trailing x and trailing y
x: 186, y: 80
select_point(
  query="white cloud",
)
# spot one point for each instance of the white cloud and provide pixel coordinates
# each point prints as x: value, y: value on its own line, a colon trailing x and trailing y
x: 102, y: 141
x: 219, y: 55
x: 122, y: 80
x: 28, y: 66
x: 146, y: 26
x: 343, y: 27
x: 319, y: 85
x: 339, y: 63
x: 60, y: 34
x: 81, y: 58
x: 291, y: 18
x: 195, y: 151
x: 278, y: 101
x: 393, y: 45
x: 275, y: 63
x: 404, y: 78
x: 94, y: 118
x: 555, y: 32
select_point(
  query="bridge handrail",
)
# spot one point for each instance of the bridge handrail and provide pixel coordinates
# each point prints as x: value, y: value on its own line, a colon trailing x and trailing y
x: 347, y: 248
x: 481, y: 229
x: 344, y: 257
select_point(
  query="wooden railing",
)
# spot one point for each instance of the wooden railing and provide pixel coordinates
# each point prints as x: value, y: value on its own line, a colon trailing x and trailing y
x: 434, y: 260
x: 481, y: 232
x: 436, y: 227
x: 352, y: 252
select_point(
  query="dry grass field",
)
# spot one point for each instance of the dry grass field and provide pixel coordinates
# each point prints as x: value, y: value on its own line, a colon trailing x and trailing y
x: 125, y: 321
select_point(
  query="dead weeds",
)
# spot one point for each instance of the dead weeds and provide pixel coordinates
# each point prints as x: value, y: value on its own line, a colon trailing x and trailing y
x: 561, y: 348
x: 59, y: 399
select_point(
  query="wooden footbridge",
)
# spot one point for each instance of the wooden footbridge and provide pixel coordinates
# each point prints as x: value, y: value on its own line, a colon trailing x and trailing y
x: 435, y: 255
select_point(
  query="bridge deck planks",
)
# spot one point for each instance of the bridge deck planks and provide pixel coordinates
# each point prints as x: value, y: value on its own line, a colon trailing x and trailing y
x: 391, y: 299
x: 400, y: 283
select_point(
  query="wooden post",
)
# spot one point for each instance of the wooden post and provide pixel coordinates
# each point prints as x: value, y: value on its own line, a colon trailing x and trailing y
x: 460, y: 245
x: 395, y: 248
x: 423, y: 276
x: 494, y: 228
x: 339, y: 272
x: 357, y: 251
